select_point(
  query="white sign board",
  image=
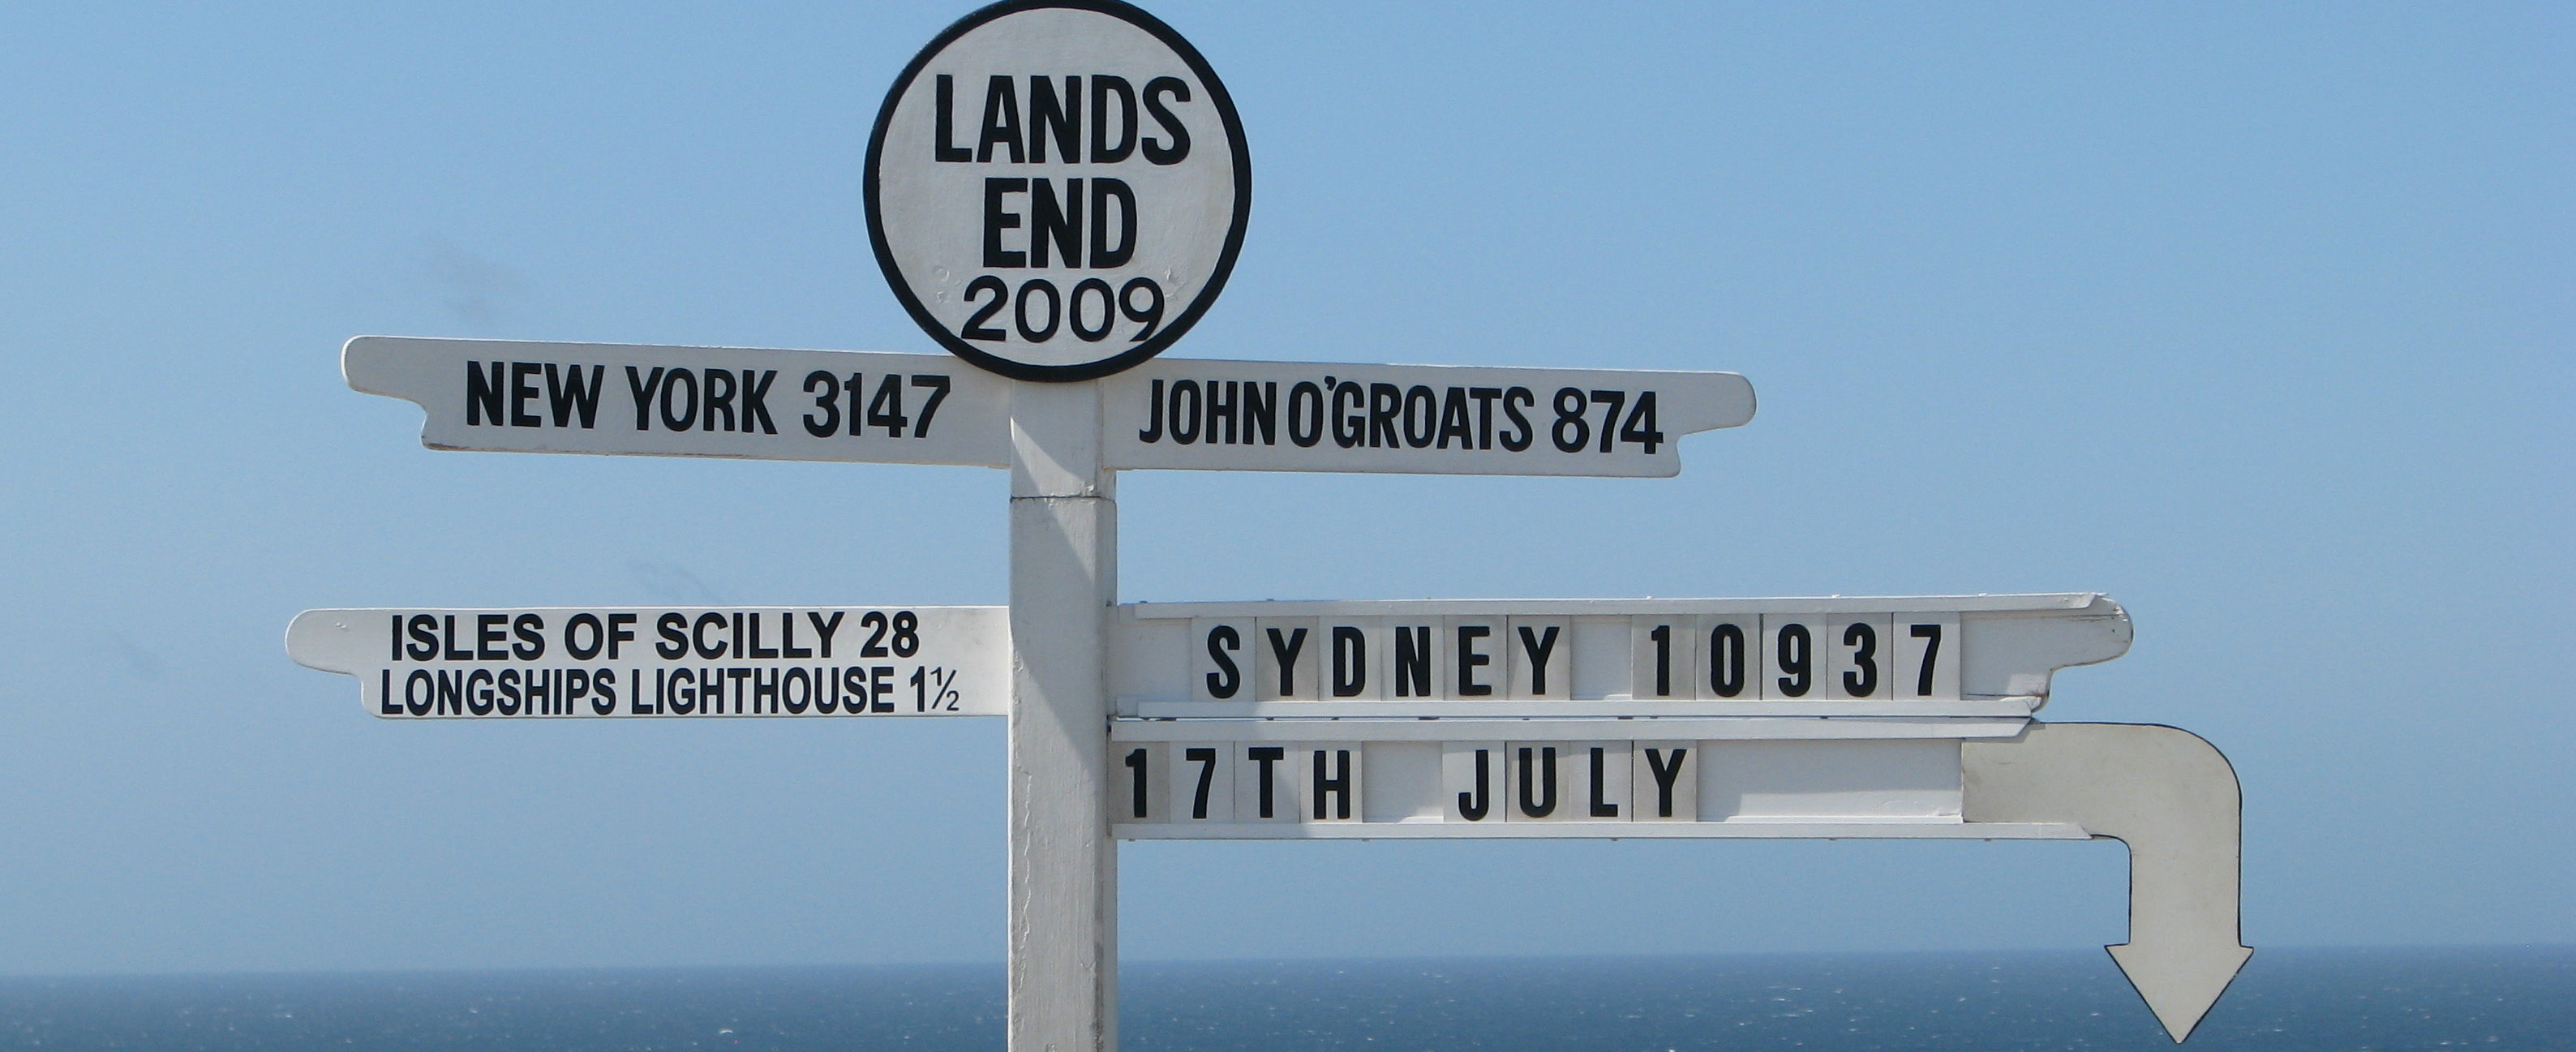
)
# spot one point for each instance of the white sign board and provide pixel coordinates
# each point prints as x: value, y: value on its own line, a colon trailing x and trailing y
x: 1057, y: 191
x: 1414, y: 419
x: 867, y: 406
x: 1651, y: 777
x: 1983, y: 656
x: 665, y: 661
x: 530, y: 397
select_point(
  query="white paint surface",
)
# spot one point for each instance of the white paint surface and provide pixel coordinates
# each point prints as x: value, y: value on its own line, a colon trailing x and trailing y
x: 2174, y: 801
x: 1063, y: 977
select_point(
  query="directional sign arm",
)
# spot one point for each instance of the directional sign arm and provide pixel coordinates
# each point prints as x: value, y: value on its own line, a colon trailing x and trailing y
x: 1411, y: 419
x: 2174, y: 800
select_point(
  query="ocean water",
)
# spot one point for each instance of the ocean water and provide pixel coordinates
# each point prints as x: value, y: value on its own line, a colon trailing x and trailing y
x: 2295, y: 1000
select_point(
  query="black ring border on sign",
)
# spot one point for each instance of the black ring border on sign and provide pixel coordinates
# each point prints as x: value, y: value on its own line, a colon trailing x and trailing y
x: 1172, y: 330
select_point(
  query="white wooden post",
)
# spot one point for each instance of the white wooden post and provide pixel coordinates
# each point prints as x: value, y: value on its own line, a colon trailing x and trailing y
x: 1064, y: 866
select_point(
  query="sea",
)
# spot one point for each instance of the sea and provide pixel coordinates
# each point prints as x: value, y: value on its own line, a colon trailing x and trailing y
x: 2290, y: 1000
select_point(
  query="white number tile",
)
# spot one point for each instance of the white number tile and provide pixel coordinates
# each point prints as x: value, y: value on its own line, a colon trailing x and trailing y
x: 1927, y: 640
x: 1730, y: 654
x: 1663, y: 669
x: 1859, y: 651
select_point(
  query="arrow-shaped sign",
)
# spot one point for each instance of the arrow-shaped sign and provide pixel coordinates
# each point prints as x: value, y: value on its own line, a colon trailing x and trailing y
x: 877, y: 407
x: 2173, y: 799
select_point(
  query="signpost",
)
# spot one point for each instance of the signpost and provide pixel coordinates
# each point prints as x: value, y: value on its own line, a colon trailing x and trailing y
x: 1056, y: 191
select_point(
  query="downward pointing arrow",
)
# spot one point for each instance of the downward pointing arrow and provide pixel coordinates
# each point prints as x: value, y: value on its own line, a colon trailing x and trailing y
x: 2173, y: 799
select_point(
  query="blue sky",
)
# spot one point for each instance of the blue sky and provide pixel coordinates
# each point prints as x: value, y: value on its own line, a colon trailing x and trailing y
x: 2256, y: 317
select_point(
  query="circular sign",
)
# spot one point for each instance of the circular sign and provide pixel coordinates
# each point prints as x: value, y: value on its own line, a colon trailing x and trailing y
x: 1057, y: 189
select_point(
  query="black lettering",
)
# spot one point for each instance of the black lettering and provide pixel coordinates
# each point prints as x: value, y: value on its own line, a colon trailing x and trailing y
x: 424, y: 638
x: 1227, y: 678
x: 996, y: 220
x: 531, y: 631
x: 1726, y: 660
x: 572, y: 636
x: 1473, y: 806
x: 618, y: 632
x: 523, y: 390
x: 1153, y: 430
x: 1601, y: 805
x: 1538, y: 646
x: 1001, y: 121
x: 1931, y: 635
x: 674, y: 630
x: 698, y: 635
x: 796, y: 688
x: 1533, y: 804
x: 1350, y: 661
x: 1794, y: 651
x: 1135, y: 761
x: 1413, y: 661
x: 825, y: 390
x: 1469, y: 660
x: 1261, y: 413
x: 483, y: 394
x: 1862, y: 680
x: 1305, y: 414
x: 1185, y: 420
x: 719, y: 399
x: 1055, y: 222
x: 1350, y: 416
x: 944, y: 104
x: 1179, y: 146
x: 1103, y: 89
x: 1105, y: 256
x: 1666, y: 765
x: 679, y: 411
x: 787, y: 637
x: 573, y: 397
x: 1513, y: 401
x: 1484, y: 397
x: 1386, y: 401
x: 755, y: 400
x: 825, y: 628
x: 490, y: 631
x: 1206, y: 759
x: 1453, y: 419
x: 1265, y: 756
x: 1339, y: 784
x: 1284, y: 647
x: 1221, y: 403
x: 642, y: 385
x: 1422, y: 407
x: 1061, y: 117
